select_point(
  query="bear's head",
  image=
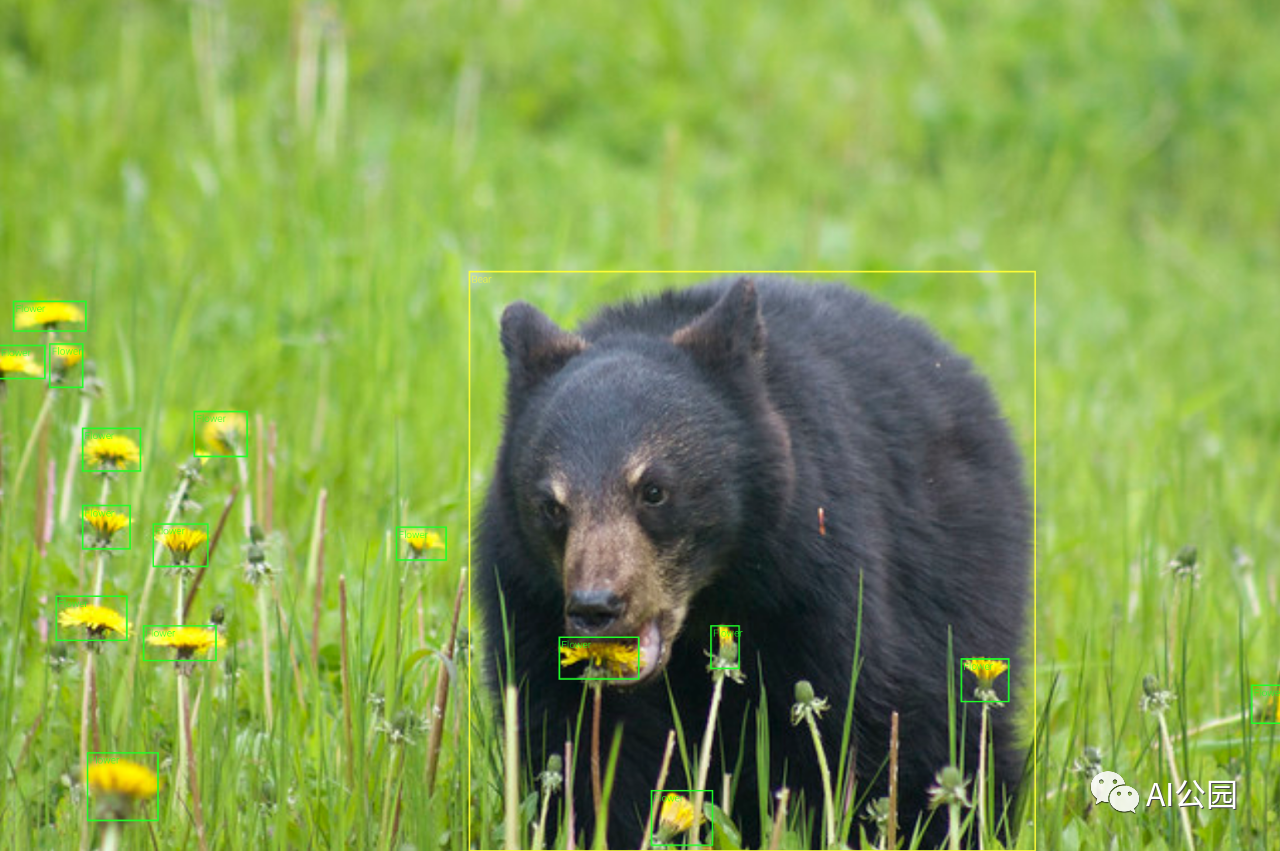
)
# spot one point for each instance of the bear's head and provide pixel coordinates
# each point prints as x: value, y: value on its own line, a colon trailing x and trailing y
x: 645, y: 463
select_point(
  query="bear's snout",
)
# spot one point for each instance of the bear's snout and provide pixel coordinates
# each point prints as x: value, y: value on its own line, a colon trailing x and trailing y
x: 593, y: 611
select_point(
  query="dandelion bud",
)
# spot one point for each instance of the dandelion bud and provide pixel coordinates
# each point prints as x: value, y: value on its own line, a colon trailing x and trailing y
x: 804, y: 691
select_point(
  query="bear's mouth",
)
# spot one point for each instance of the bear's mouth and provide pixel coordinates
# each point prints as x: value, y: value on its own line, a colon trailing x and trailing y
x: 652, y: 651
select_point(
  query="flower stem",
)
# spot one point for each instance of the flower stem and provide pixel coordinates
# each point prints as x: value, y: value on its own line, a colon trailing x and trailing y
x: 346, y: 680
x: 512, y: 753
x: 181, y: 687
x: 441, y: 702
x: 68, y: 476
x: 315, y: 572
x: 982, y: 776
x: 87, y: 699
x: 243, y: 466
x: 704, y: 759
x: 197, y: 810
x: 662, y: 779
x: 540, y: 829
x: 45, y: 407
x: 393, y: 772
x: 827, y: 800
x: 571, y: 828
x: 121, y: 705
x: 111, y: 837
x: 953, y: 825
x: 891, y: 828
x: 1177, y: 781
x: 86, y: 702
x: 779, y: 818
x: 264, y: 624
x: 595, y: 747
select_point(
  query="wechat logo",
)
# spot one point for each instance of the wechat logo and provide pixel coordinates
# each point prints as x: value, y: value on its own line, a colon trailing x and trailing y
x: 1108, y: 787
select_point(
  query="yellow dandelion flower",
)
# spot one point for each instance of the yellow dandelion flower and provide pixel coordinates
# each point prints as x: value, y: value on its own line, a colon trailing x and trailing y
x: 189, y: 641
x: 726, y: 635
x: 124, y: 778
x: 986, y: 670
x: 614, y: 658
x: 181, y: 541
x: 676, y: 816
x: 65, y: 357
x: 23, y: 363
x: 225, y: 436
x: 111, y: 453
x: 97, y: 619
x: 47, y: 314
x: 105, y: 523
x: 421, y: 540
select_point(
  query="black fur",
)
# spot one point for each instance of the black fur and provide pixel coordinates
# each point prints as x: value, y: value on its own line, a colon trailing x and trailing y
x: 817, y: 396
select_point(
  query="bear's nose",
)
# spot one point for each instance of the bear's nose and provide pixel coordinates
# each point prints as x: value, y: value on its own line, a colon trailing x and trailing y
x: 593, y: 612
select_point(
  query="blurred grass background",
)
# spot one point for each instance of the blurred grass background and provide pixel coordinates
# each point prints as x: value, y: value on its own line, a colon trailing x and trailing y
x: 272, y: 206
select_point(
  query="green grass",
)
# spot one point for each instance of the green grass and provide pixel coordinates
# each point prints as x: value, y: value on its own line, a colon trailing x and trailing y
x: 235, y: 254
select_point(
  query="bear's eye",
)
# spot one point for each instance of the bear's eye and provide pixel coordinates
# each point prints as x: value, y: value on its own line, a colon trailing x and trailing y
x: 653, y: 495
x: 554, y: 511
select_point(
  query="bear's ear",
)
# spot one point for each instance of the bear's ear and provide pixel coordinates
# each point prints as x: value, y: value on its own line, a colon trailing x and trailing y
x: 730, y: 333
x: 536, y: 348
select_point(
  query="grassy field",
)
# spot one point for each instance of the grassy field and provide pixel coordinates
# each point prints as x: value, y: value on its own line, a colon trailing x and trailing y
x: 272, y: 207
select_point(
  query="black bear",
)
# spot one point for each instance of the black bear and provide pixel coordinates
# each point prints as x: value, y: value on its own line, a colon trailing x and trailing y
x: 755, y: 452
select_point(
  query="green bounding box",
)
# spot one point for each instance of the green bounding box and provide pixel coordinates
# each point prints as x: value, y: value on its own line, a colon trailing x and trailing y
x: 66, y: 366
x: 69, y: 315
x: 119, y: 786
x: 726, y: 647
x: 1264, y: 703
x: 987, y: 669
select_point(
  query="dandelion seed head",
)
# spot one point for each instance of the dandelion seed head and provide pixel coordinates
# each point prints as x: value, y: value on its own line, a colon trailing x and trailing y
x: 951, y: 788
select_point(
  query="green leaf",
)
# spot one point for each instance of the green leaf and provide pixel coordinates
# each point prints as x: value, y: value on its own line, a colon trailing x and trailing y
x: 725, y: 834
